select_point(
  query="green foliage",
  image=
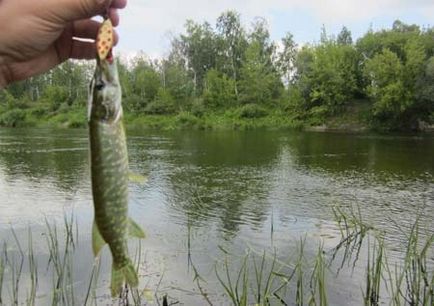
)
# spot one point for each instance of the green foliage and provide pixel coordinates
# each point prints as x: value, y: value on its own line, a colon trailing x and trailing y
x: 232, y: 43
x: 344, y: 37
x: 177, y: 81
x: 398, y: 86
x: 328, y: 76
x: 251, y: 111
x: 237, y: 73
x: 198, y: 108
x: 424, y: 92
x: 163, y: 104
x: 8, y: 100
x: 188, y: 120
x: 286, y: 59
x: 199, y: 46
x: 13, y: 118
x: 56, y: 95
x: 295, y: 102
x: 146, y: 80
x: 258, y: 82
x: 219, y: 90
x: 385, y: 72
x: 133, y: 102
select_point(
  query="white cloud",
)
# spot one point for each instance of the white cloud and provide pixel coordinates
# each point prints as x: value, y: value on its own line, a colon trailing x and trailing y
x: 145, y: 22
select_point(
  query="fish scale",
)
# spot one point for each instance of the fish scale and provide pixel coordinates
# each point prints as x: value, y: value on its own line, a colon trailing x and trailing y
x: 109, y: 171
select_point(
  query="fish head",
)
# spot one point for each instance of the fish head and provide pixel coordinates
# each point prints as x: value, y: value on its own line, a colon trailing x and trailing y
x: 105, y: 91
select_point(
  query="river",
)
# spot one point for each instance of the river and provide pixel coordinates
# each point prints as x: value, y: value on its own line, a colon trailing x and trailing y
x: 215, y: 195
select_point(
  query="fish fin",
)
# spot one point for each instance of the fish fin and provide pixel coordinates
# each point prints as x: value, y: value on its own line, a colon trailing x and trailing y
x: 119, y: 275
x: 97, y: 241
x: 134, y: 230
x: 137, y: 178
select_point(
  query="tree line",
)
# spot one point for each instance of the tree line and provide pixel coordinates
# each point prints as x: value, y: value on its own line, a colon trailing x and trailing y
x: 387, y: 76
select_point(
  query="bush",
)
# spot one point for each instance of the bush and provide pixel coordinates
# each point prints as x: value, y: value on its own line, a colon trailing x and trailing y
x: 55, y: 95
x: 219, y: 91
x: 318, y: 114
x: 163, y: 104
x: 251, y: 111
x: 186, y: 119
x: 40, y: 110
x: 134, y: 102
x: 13, y: 118
x: 198, y: 108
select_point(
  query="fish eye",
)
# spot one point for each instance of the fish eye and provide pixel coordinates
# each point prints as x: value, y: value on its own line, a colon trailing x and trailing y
x: 99, y: 86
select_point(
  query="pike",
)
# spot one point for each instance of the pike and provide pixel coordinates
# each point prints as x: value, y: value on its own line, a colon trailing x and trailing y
x: 109, y: 165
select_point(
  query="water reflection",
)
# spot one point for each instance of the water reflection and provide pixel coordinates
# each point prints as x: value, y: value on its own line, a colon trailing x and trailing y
x: 233, y: 178
x: 59, y: 156
x: 385, y: 156
x: 220, y: 176
x: 231, y: 188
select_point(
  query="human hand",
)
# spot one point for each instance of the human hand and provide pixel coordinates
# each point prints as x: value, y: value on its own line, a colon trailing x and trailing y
x: 35, y: 36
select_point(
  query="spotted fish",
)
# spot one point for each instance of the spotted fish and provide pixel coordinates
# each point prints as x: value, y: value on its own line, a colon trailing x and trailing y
x: 109, y: 167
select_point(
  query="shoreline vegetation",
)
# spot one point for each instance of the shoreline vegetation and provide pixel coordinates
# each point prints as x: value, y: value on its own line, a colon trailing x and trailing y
x: 232, y: 119
x: 229, y: 76
x: 255, y: 278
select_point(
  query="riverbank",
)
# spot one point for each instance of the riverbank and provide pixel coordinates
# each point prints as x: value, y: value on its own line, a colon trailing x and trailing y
x: 234, y: 119
x: 231, y: 119
x: 353, y: 121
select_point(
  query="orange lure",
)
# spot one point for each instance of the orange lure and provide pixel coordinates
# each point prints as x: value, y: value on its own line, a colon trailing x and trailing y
x: 105, y: 40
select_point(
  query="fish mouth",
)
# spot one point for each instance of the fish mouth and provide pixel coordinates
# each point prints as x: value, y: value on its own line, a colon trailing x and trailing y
x: 109, y: 57
x: 107, y: 68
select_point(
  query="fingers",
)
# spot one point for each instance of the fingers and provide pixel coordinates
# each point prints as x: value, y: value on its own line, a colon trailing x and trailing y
x: 70, y: 10
x: 22, y: 70
x: 82, y: 50
x: 88, y: 29
x: 114, y: 17
x: 120, y: 4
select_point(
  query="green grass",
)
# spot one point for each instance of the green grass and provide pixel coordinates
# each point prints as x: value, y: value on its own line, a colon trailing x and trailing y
x: 231, y: 119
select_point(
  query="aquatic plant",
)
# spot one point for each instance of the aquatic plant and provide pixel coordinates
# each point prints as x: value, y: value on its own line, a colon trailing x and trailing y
x: 255, y: 278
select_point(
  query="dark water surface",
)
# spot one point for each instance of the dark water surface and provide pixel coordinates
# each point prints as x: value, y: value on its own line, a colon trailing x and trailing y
x: 229, y: 191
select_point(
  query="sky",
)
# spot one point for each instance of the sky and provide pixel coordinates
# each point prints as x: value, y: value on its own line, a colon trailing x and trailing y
x: 148, y: 25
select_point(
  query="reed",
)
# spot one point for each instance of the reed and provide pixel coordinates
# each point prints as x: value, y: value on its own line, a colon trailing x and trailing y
x: 255, y: 278
x: 374, y: 272
x: 409, y: 281
x: 2, y: 271
x: 33, y: 269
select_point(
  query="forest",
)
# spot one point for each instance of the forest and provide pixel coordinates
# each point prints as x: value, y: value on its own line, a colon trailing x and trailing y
x: 231, y: 76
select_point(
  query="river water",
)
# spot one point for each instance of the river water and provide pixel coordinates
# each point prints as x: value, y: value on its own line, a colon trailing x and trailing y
x: 216, y: 195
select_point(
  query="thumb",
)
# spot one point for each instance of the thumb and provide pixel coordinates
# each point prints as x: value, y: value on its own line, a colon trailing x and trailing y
x: 71, y: 10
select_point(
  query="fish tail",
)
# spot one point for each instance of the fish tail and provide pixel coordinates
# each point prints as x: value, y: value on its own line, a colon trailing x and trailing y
x: 127, y: 274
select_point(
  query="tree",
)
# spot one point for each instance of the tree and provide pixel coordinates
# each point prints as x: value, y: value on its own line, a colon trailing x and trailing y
x: 344, y: 37
x: 385, y: 72
x: 424, y: 93
x: 399, y: 26
x: 286, y: 59
x: 219, y: 91
x: 146, y: 80
x: 258, y: 83
x: 233, y: 45
x: 327, y: 76
x: 74, y: 77
x: 176, y: 80
x: 261, y: 35
x: 199, y: 47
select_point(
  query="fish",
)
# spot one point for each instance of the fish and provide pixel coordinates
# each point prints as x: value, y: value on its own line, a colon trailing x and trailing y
x: 110, y: 172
